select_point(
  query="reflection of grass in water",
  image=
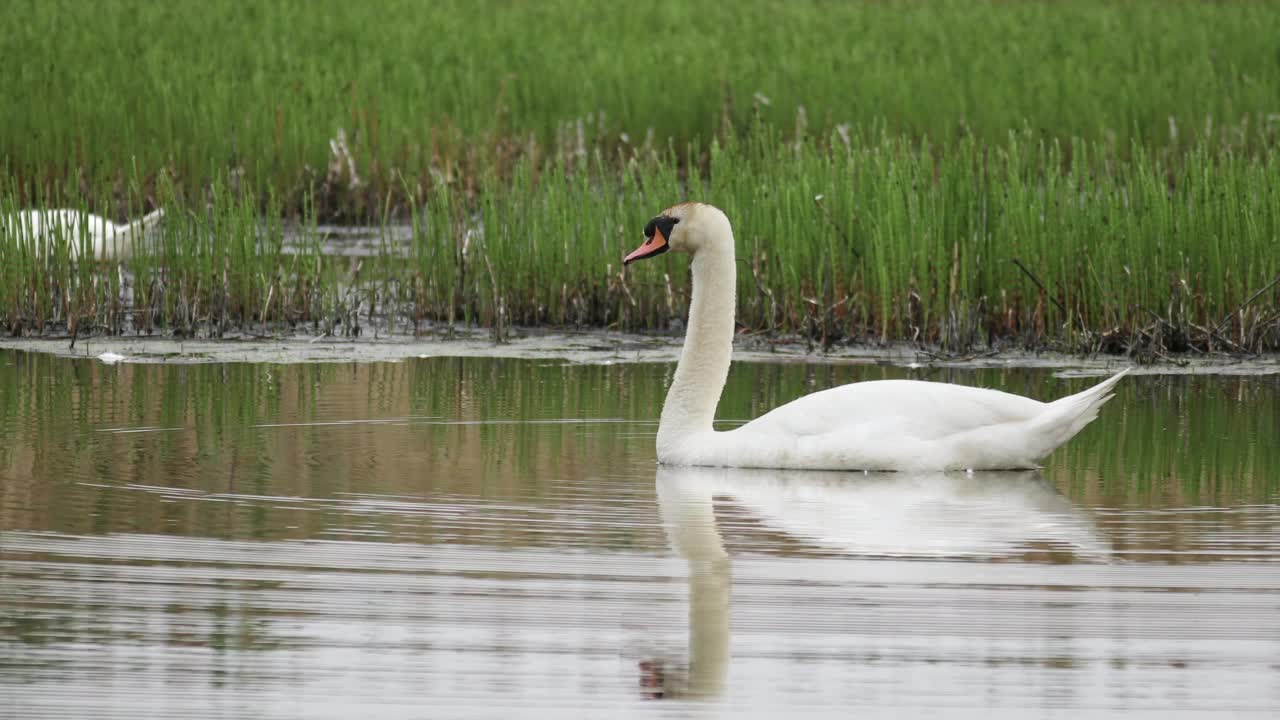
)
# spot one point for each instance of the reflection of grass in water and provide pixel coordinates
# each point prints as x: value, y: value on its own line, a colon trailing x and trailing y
x: 221, y: 450
x: 453, y: 86
x: 875, y: 240
x: 1181, y: 441
x: 1163, y: 442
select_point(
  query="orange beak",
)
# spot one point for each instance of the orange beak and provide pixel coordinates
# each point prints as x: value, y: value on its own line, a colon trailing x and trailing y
x: 655, y: 245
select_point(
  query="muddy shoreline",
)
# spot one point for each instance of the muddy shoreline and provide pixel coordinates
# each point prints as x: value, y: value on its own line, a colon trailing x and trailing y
x: 592, y: 347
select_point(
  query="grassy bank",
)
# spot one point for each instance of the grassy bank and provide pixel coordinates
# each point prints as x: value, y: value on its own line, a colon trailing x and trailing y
x: 1028, y: 242
x: 1088, y: 175
x: 100, y: 94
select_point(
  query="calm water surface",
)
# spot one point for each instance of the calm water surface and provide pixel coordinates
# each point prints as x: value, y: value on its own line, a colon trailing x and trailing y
x: 491, y: 538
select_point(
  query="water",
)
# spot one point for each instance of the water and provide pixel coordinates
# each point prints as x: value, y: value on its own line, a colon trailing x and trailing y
x: 490, y: 538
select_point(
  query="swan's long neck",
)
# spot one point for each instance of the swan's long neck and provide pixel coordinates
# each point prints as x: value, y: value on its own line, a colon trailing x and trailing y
x: 708, y: 344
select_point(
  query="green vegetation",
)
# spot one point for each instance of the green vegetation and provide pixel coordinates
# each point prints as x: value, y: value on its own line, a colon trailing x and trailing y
x: 1090, y: 175
x: 94, y: 91
x: 878, y: 240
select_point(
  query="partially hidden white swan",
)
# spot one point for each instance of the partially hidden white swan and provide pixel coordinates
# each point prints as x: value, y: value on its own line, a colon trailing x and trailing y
x: 105, y: 239
x: 878, y: 425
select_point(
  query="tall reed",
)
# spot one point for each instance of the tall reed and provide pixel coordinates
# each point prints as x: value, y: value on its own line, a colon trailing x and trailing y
x: 453, y: 88
x: 864, y: 237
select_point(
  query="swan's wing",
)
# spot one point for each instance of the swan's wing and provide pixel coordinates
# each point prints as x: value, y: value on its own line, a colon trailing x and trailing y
x: 922, y: 410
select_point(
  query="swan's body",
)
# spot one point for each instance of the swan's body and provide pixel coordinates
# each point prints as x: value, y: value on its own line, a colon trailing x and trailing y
x: 882, y: 425
x: 104, y: 239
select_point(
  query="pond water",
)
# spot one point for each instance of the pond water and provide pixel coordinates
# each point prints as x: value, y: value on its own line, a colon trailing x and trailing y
x: 478, y: 537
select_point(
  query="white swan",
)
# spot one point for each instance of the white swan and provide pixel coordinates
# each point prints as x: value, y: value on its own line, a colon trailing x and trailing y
x: 105, y: 239
x: 880, y: 425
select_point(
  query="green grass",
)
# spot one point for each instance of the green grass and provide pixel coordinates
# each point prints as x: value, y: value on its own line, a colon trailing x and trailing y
x: 98, y: 92
x: 1089, y: 175
x: 886, y: 241
x: 209, y: 269
x: 877, y: 240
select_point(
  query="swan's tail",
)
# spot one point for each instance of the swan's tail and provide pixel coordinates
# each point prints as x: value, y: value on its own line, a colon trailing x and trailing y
x: 1065, y: 417
x: 125, y: 237
x: 138, y: 228
x: 150, y: 219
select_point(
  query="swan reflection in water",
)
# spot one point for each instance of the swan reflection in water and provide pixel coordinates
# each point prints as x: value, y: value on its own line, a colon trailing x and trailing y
x: 923, y: 515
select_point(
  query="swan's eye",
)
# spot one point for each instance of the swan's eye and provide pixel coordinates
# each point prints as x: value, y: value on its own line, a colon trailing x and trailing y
x: 663, y: 223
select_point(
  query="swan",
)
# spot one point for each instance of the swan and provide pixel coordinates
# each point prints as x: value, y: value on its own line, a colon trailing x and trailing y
x: 106, y: 239
x: 878, y: 425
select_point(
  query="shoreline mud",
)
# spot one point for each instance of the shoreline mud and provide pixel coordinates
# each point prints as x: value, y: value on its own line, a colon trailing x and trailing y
x: 597, y: 347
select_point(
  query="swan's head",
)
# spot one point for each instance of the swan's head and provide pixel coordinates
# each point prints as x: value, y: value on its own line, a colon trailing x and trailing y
x: 687, y: 227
